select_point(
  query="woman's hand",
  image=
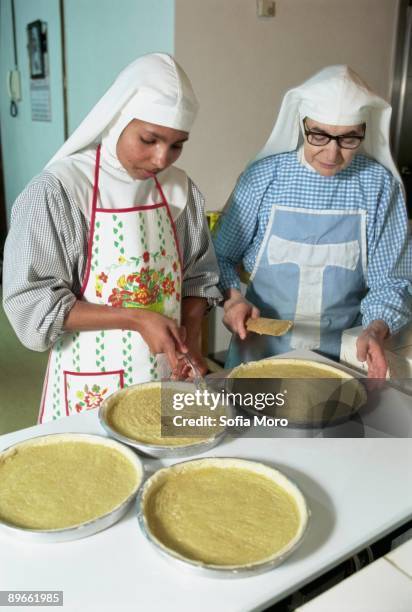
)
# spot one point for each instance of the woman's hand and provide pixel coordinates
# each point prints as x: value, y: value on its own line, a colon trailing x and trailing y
x: 162, y: 335
x: 198, y: 361
x: 193, y: 311
x: 184, y: 370
x: 370, y: 348
x: 237, y: 310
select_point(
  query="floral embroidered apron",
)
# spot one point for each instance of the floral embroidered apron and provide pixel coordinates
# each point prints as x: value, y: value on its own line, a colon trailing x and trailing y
x: 133, y: 262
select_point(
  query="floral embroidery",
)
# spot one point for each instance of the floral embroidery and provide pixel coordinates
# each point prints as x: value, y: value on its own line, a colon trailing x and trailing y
x: 98, y: 285
x: 168, y: 285
x: 90, y: 398
x: 147, y: 288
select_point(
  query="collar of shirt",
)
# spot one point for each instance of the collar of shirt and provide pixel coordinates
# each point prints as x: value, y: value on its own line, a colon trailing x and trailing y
x: 302, y: 159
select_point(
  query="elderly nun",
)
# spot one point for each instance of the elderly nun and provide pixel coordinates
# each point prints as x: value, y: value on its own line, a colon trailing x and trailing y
x: 109, y: 260
x: 320, y: 224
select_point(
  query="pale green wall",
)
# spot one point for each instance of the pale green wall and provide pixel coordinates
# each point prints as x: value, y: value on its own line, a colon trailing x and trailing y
x: 27, y: 145
x: 102, y: 37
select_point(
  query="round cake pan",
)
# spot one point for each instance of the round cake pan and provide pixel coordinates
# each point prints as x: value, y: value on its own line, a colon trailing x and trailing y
x: 315, y: 402
x: 226, y: 571
x: 90, y: 527
x: 157, y: 450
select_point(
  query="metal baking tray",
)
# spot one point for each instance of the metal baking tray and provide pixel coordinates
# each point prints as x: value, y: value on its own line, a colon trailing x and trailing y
x: 90, y: 527
x: 157, y: 450
x: 223, y: 571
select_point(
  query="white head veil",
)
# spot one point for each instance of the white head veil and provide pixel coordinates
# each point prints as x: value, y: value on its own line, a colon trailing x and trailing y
x: 153, y: 88
x: 336, y: 96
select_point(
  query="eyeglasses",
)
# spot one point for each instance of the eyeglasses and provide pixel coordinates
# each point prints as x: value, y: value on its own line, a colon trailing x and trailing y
x: 320, y: 139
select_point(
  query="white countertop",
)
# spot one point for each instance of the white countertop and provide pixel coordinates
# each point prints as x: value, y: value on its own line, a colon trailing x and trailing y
x: 357, y: 490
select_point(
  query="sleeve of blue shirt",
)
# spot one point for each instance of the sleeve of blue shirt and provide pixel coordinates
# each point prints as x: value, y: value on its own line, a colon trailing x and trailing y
x: 237, y: 228
x: 389, y: 273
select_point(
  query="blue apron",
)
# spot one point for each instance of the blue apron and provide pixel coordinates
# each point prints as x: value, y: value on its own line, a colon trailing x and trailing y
x: 311, y: 269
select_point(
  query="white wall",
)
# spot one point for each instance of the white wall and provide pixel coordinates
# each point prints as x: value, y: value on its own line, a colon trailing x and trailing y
x: 241, y: 66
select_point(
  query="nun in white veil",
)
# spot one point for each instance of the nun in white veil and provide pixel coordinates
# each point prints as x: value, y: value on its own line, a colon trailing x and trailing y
x: 109, y: 261
x: 321, y: 228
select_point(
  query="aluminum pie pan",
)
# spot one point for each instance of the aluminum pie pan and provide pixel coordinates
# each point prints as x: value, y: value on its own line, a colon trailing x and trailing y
x: 156, y: 450
x: 224, y: 571
x: 350, y: 387
x: 87, y: 528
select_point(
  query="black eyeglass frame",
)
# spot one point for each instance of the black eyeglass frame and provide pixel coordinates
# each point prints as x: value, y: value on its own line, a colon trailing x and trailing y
x: 329, y: 137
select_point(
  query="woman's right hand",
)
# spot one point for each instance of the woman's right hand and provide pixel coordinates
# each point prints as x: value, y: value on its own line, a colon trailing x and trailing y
x: 161, y: 334
x: 237, y: 310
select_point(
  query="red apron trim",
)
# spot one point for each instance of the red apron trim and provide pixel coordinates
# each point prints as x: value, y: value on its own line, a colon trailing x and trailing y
x: 45, y: 384
x: 92, y: 221
x: 130, y: 209
x: 96, y: 177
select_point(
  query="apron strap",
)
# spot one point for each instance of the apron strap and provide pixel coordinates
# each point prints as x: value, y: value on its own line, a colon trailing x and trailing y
x: 160, y: 190
x: 96, y: 180
x: 92, y: 222
x: 165, y: 202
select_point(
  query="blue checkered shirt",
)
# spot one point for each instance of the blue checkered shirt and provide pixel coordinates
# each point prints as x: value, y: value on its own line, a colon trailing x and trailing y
x: 364, y: 184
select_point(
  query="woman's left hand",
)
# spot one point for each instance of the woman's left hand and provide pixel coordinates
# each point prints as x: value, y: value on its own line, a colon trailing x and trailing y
x: 193, y: 310
x: 184, y: 371
x: 370, y: 348
x: 198, y: 361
